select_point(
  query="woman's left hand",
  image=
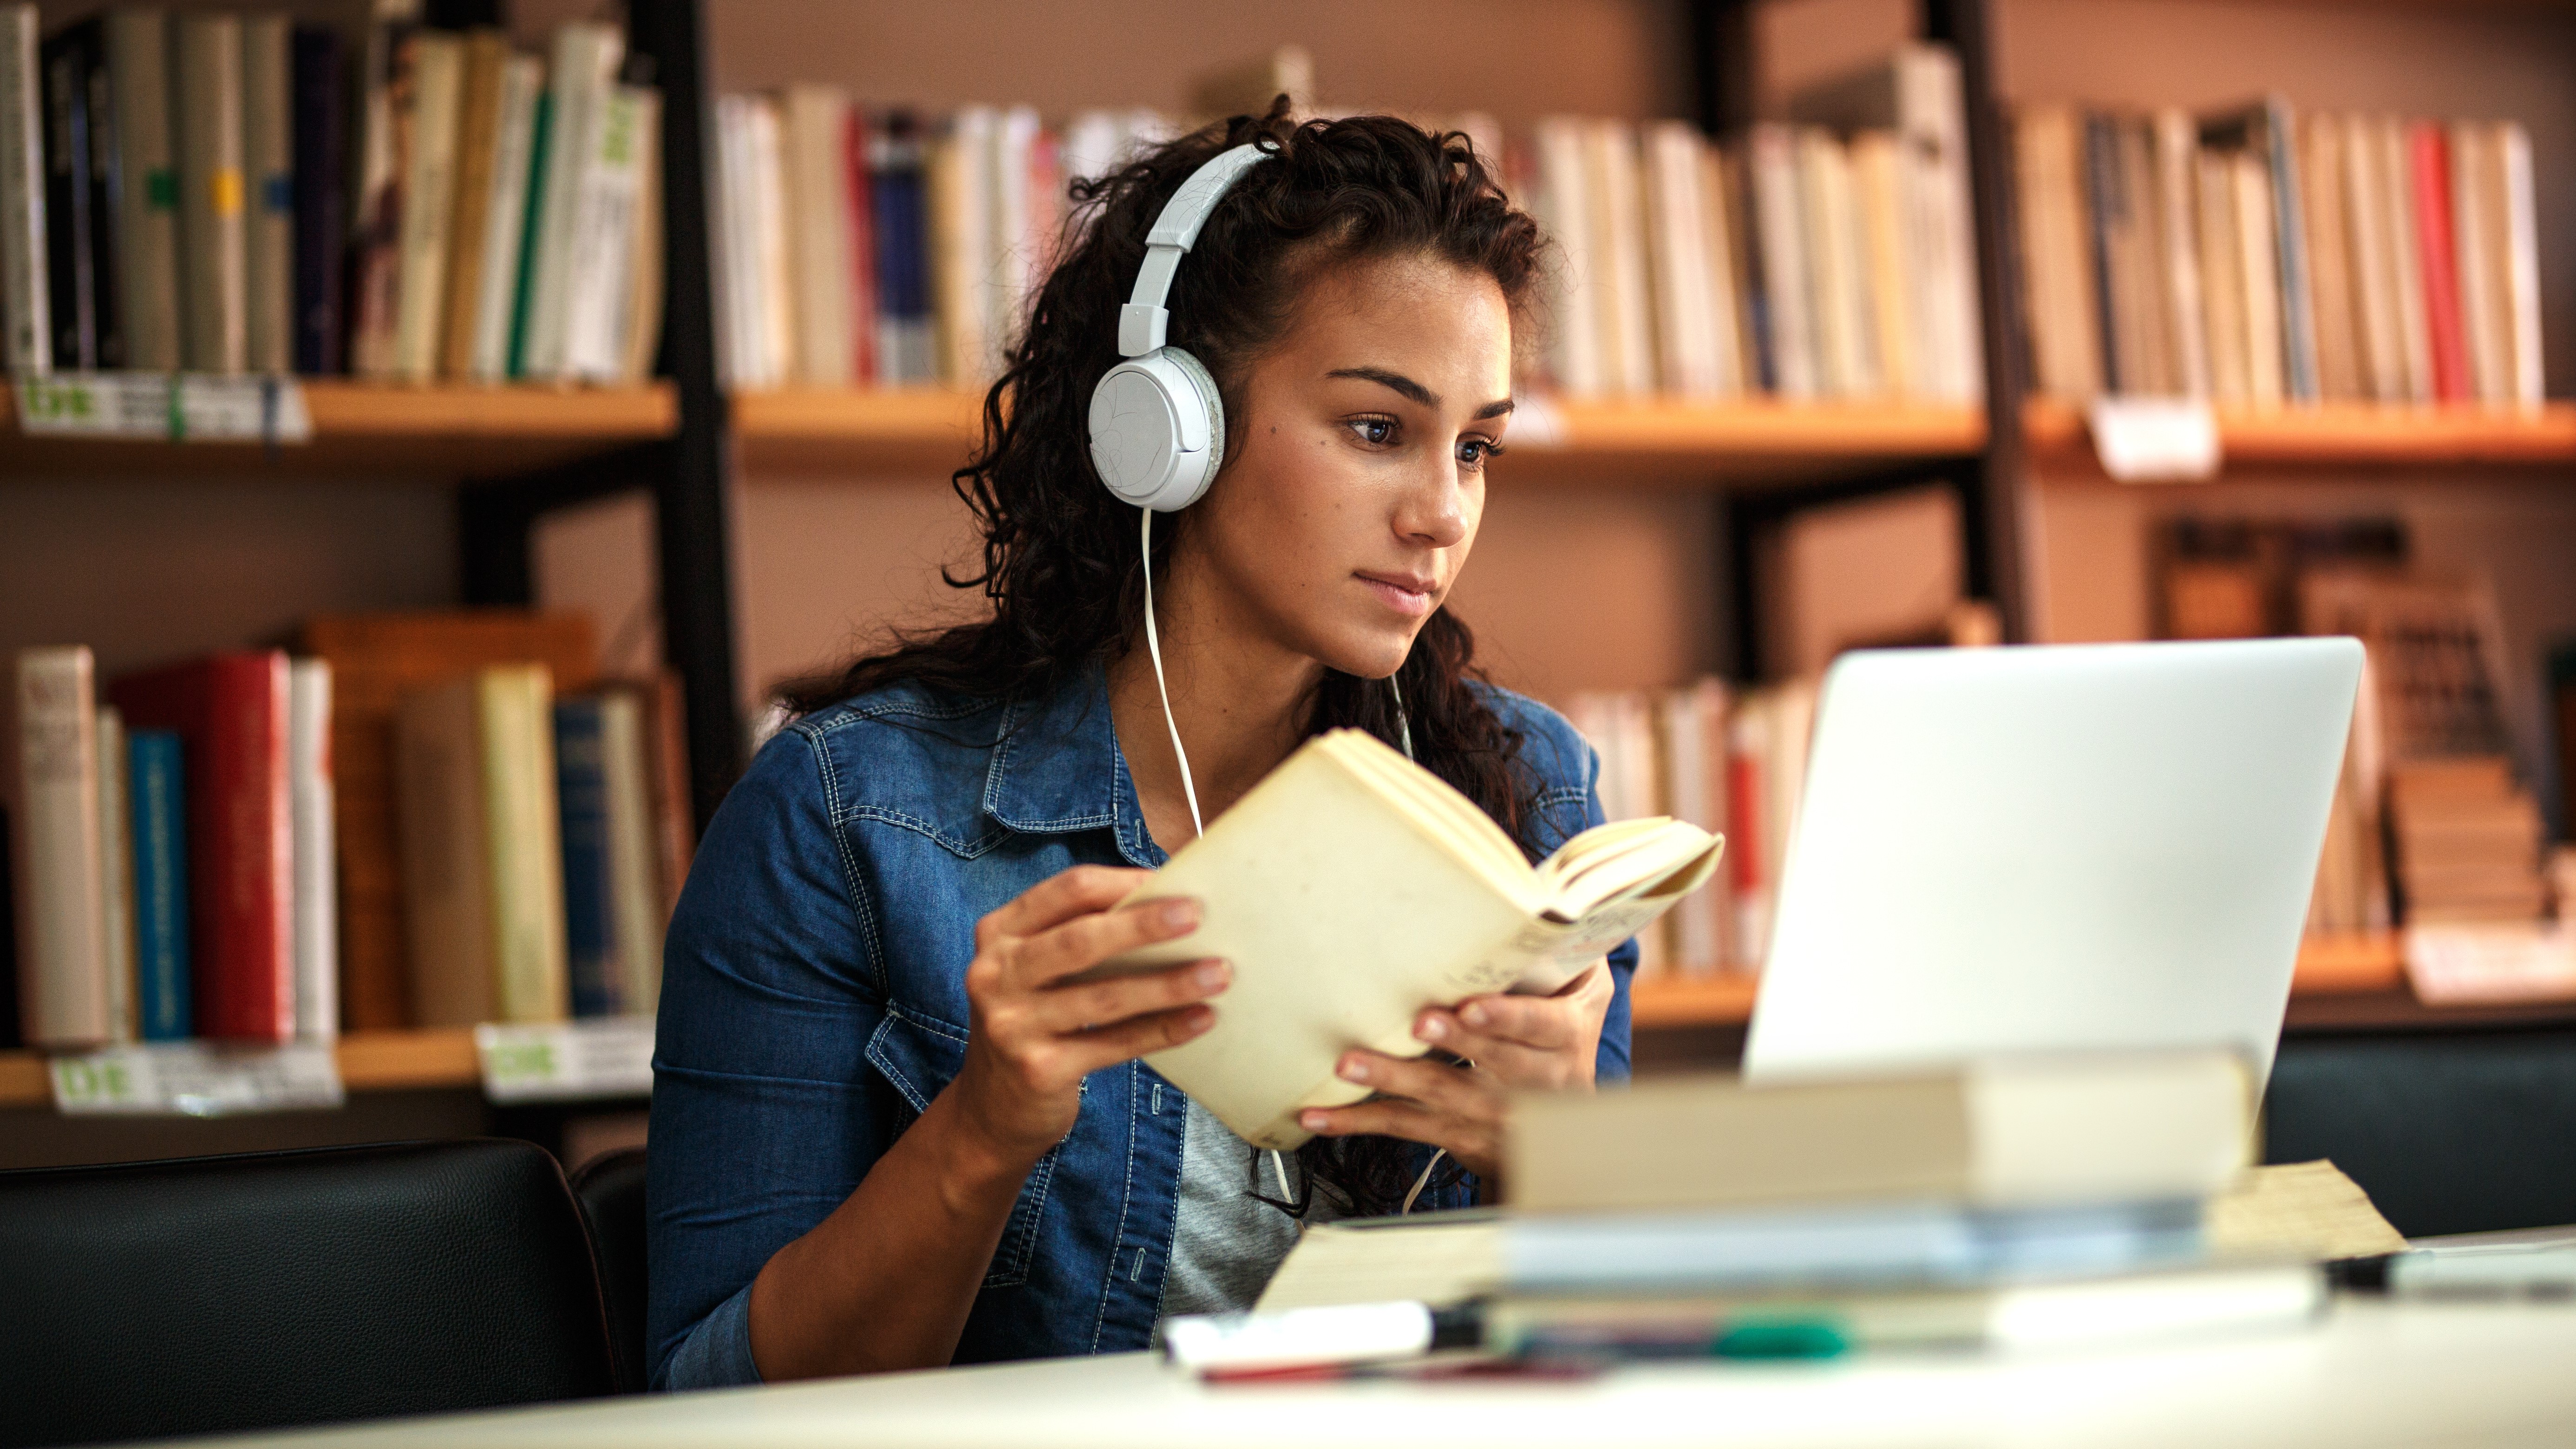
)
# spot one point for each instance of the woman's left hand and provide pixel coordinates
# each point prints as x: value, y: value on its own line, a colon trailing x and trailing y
x: 1507, y: 1042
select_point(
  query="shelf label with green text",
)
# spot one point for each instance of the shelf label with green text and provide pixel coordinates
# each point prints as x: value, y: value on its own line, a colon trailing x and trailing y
x: 164, y: 407
x: 604, y: 1056
x: 196, y: 1079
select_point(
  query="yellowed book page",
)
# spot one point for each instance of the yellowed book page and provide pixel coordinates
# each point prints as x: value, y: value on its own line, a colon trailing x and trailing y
x: 1342, y: 919
x: 2299, y: 1209
x: 1438, y: 810
x: 1439, y: 1260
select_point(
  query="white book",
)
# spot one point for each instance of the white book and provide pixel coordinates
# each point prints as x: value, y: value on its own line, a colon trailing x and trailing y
x: 645, y: 273
x: 52, y: 774
x: 764, y: 142
x: 1719, y: 210
x: 1891, y: 270
x: 1771, y: 155
x: 1094, y: 145
x: 505, y: 218
x: 2522, y: 272
x: 816, y: 137
x: 586, y: 58
x: 1624, y: 310
x: 311, y: 797
x: 268, y: 161
x: 2397, y: 223
x: 635, y: 893
x: 116, y: 876
x: 1565, y: 209
x: 1678, y: 249
x: 1845, y: 350
x: 737, y: 300
x: 1020, y: 243
x: 428, y: 201
x: 25, y: 302
x: 604, y: 222
x: 2487, y: 346
x: 2177, y: 145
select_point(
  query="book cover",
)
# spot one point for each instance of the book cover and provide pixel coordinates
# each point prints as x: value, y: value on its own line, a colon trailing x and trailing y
x: 638, y: 911
x: 905, y: 347
x: 376, y: 661
x: 2428, y: 155
x: 157, y: 790
x: 71, y: 286
x: 578, y: 84
x: 312, y: 789
x: 641, y: 326
x: 604, y: 221
x: 532, y: 214
x: 816, y: 128
x: 437, y: 67
x: 374, y: 275
x: 26, y: 284
x: 320, y: 99
x: 52, y: 779
x: 115, y: 877
x: 147, y: 201
x: 2341, y: 355
x: 589, y: 893
x: 213, y: 242
x: 230, y: 712
x: 268, y: 177
x: 2372, y: 262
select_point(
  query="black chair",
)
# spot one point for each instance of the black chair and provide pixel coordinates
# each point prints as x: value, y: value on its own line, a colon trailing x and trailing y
x: 610, y: 1189
x: 2449, y: 1132
x: 280, y: 1288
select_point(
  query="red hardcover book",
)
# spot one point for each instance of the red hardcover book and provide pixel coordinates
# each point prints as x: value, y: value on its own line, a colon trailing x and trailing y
x: 860, y: 194
x: 230, y: 713
x: 2429, y: 156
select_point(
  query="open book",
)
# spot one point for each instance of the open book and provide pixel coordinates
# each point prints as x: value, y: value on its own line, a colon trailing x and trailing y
x: 1352, y: 888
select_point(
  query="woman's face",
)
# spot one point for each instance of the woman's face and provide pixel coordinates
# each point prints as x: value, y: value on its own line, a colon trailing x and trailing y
x: 1357, y: 475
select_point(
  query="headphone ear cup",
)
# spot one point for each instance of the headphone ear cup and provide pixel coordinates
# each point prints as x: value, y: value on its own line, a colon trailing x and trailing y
x: 1205, y: 465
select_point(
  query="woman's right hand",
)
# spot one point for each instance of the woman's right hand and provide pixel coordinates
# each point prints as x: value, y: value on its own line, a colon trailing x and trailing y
x: 1036, y: 1034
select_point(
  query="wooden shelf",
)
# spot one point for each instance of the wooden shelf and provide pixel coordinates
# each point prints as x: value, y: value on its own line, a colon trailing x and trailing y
x: 373, y: 1061
x: 371, y: 431
x: 2343, y: 435
x: 2330, y: 966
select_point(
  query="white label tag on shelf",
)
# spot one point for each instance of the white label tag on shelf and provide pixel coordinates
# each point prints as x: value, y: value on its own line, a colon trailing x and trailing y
x: 196, y: 1079
x: 187, y: 407
x: 2156, y: 439
x: 2490, y: 964
x: 603, y: 1056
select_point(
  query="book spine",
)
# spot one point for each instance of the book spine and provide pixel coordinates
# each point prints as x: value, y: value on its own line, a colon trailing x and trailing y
x: 523, y: 841
x: 505, y: 219
x: 2522, y: 263
x: 246, y: 988
x: 70, y: 289
x: 2428, y: 155
x: 858, y: 190
x: 2101, y: 169
x: 603, y: 221
x: 428, y: 192
x: 586, y: 61
x: 312, y: 796
x: 904, y: 349
x: 268, y: 162
x: 523, y: 290
x: 635, y: 891
x: 157, y: 788
x: 590, y: 926
x: 321, y: 166
x: 147, y: 206
x: 62, y: 977
x: 675, y: 831
x: 478, y: 142
x: 2290, y: 246
x: 26, y: 312
x: 107, y: 303
x: 641, y: 325
x: 446, y: 907
x: 818, y: 232
x: 115, y: 877
x: 214, y: 328
x: 376, y: 226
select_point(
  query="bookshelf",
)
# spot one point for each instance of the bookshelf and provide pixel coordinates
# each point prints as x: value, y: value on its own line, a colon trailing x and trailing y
x: 2344, y: 435
x: 373, y: 1061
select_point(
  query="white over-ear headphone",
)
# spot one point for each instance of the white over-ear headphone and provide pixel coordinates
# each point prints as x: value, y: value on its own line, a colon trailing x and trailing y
x: 1157, y: 425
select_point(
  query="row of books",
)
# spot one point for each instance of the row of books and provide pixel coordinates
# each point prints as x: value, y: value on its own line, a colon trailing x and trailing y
x: 181, y: 193
x: 406, y: 826
x: 2260, y: 257
x: 1727, y: 760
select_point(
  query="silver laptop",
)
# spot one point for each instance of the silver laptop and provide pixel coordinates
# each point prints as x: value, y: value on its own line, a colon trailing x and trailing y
x: 2053, y: 849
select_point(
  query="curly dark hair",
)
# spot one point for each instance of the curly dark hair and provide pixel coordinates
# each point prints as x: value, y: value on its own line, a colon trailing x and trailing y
x: 1060, y: 564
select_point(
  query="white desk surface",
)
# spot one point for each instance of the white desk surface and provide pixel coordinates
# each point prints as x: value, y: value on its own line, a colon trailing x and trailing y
x: 2373, y: 1373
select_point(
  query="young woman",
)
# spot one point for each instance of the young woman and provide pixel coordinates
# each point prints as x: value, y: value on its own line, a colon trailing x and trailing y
x: 888, y: 1130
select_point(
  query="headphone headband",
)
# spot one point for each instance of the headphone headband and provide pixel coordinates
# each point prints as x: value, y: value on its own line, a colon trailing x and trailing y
x: 1143, y: 322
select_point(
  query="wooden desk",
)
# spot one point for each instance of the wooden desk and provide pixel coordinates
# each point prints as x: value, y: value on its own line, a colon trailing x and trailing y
x: 2374, y: 1374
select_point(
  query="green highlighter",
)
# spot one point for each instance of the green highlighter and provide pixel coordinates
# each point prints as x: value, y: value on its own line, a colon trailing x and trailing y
x: 1778, y: 1338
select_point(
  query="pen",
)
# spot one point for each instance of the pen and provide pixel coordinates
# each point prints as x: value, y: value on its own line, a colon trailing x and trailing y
x: 2502, y: 1270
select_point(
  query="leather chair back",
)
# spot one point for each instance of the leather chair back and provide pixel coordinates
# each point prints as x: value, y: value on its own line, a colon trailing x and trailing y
x: 610, y: 1189
x: 279, y: 1288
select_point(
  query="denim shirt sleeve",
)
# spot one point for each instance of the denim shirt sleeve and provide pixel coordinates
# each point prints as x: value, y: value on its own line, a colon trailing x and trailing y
x: 764, y: 1117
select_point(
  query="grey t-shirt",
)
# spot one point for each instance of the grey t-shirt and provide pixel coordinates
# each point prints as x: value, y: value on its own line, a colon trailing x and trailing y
x: 1227, y: 1243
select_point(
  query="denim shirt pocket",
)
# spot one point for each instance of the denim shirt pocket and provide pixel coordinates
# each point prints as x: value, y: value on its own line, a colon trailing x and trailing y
x: 918, y: 1055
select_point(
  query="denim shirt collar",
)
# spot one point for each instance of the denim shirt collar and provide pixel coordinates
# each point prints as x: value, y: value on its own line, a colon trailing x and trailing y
x: 1057, y: 769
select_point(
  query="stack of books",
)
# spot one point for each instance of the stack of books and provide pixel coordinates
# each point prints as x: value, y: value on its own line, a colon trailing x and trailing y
x: 2257, y: 257
x: 1827, y: 258
x: 2004, y: 1205
x: 234, y: 194
x: 2467, y: 841
x: 395, y: 829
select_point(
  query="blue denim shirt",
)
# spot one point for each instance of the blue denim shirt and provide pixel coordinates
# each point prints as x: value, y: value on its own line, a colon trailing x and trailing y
x: 814, y: 1001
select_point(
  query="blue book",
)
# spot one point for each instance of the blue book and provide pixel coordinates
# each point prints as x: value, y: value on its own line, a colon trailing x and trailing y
x: 158, y: 799
x: 581, y: 790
